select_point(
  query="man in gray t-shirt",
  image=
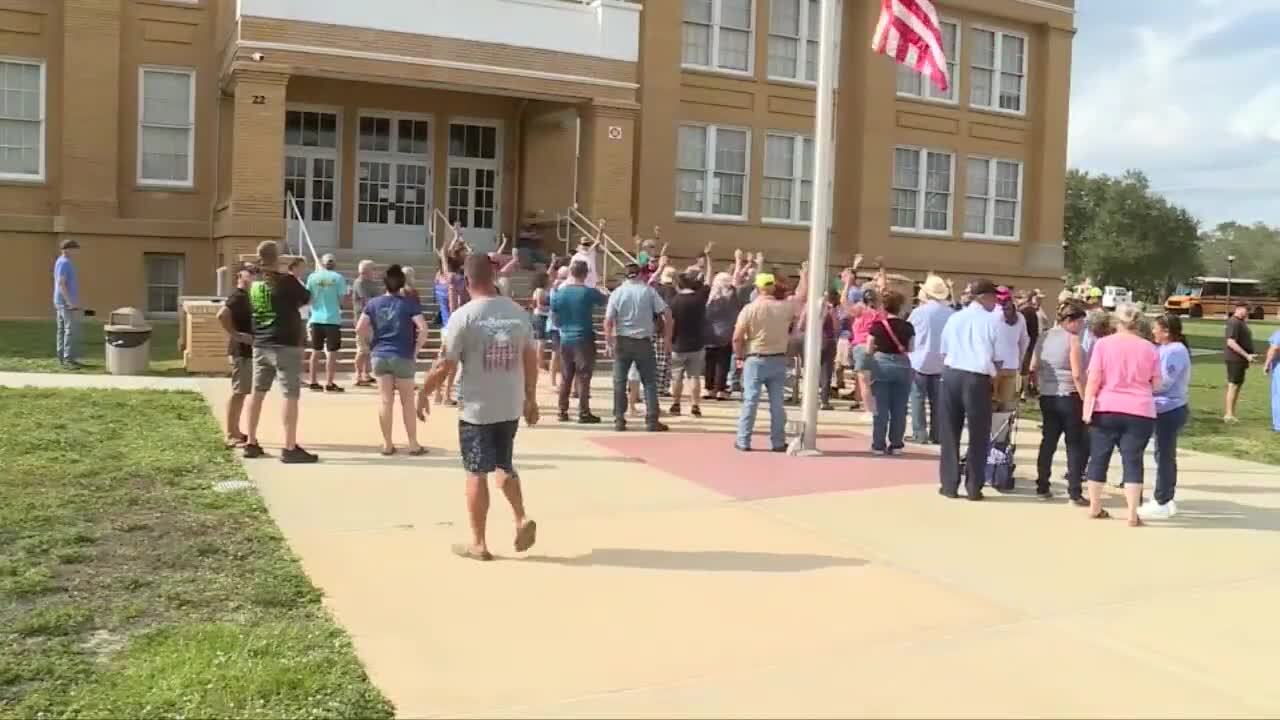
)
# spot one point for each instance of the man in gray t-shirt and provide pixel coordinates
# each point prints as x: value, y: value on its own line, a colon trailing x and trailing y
x: 492, y: 339
x: 364, y: 289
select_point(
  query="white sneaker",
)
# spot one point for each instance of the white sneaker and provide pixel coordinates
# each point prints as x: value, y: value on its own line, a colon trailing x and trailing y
x: 1172, y: 507
x: 1151, y: 510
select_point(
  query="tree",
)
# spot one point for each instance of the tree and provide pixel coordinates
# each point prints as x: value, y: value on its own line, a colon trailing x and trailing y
x: 1256, y: 249
x: 1120, y: 233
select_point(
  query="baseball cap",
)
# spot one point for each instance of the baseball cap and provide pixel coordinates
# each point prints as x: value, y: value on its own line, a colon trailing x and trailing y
x: 764, y: 280
x: 632, y: 270
x: 982, y: 286
x: 1003, y: 294
x: 69, y: 244
x: 1095, y: 292
x: 328, y: 260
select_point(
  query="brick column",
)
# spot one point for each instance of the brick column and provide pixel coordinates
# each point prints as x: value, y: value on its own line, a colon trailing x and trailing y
x: 1044, y: 187
x: 606, y: 167
x: 90, y: 107
x: 255, y: 210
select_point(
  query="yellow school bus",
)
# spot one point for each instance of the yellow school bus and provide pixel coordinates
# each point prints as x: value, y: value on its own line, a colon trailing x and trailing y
x: 1210, y: 296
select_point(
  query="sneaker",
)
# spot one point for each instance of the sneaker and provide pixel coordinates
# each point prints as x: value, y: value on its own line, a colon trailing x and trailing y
x: 695, y: 411
x: 675, y: 410
x: 1045, y: 495
x: 334, y: 388
x: 657, y: 427
x: 297, y: 456
x: 588, y: 419
x: 1079, y: 501
x: 253, y: 450
x: 828, y: 406
x: 315, y: 387
x: 1151, y: 510
x: 619, y: 425
x: 564, y: 417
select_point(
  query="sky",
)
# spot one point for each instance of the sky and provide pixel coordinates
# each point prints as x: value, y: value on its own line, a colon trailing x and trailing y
x: 1187, y: 91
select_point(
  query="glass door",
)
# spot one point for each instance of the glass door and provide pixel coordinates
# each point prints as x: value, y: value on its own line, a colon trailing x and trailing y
x: 393, y: 202
x: 475, y: 151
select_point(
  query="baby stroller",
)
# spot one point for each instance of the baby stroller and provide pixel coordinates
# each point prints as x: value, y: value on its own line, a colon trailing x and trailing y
x: 1000, y: 455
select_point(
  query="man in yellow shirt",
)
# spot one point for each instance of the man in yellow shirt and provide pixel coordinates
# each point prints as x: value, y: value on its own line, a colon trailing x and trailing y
x: 760, y: 344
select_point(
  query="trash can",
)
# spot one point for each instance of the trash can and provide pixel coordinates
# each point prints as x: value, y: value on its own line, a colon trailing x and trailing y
x: 128, y: 342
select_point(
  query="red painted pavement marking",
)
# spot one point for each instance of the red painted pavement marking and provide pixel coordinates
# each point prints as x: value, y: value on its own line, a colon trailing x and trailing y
x: 711, y: 461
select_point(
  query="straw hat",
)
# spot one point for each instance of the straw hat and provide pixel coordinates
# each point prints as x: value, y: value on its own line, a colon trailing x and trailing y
x: 935, y: 288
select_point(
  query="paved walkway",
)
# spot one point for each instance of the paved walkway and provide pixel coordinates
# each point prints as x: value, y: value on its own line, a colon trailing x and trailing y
x: 674, y: 577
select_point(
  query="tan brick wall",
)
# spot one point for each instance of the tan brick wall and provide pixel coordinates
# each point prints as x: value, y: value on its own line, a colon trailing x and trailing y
x: 606, y: 167
x: 548, y: 166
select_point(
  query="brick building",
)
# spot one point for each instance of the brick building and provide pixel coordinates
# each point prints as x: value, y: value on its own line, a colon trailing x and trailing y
x: 164, y: 134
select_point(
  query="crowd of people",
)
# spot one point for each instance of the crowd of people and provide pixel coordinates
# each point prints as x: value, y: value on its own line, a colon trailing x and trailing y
x: 940, y: 362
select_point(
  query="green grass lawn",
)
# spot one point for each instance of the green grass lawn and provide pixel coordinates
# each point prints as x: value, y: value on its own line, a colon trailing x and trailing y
x: 1208, y: 334
x: 29, y: 346
x: 130, y: 588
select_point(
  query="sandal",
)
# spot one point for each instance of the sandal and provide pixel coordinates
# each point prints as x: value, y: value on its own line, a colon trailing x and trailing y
x: 1102, y: 515
x: 1136, y: 522
x: 387, y: 452
x: 419, y: 452
x: 526, y: 536
x: 463, y: 550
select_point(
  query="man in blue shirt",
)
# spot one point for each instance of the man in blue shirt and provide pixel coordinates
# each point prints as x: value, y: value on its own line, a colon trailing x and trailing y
x: 628, y: 328
x: 926, y: 358
x: 969, y: 351
x: 66, y: 303
x: 572, y: 309
x: 327, y: 289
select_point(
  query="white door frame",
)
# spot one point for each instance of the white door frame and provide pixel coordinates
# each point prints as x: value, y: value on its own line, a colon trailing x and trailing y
x: 394, y: 236
x: 495, y: 164
x: 325, y: 236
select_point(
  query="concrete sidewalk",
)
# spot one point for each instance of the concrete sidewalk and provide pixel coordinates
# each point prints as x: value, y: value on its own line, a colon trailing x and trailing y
x: 674, y: 577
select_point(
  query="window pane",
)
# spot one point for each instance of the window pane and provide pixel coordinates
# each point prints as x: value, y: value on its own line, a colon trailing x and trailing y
x: 735, y: 14
x: 734, y: 49
x: 807, y: 159
x: 935, y: 211
x: 728, y: 201
x: 811, y: 62
x: 1007, y: 180
x: 328, y: 130
x: 784, y: 17
x: 1010, y: 92
x: 806, y: 202
x: 815, y: 19
x: 984, y: 49
x: 783, y: 57
x: 489, y: 143
x: 1011, y: 53
x: 909, y: 81
x: 975, y: 215
x: 939, y: 174
x: 731, y: 151
x: 977, y: 178
x: 903, y: 211
x: 1005, y: 225
x: 164, y: 153
x: 692, y: 148
x: 779, y: 156
x: 19, y: 147
x: 697, y: 10
x: 777, y: 199
x: 980, y: 92
x: 689, y: 191
x: 311, y: 129
x: 697, y: 45
x: 166, y: 98
x: 906, y: 168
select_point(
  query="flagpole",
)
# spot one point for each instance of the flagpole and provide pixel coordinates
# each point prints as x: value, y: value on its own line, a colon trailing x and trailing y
x: 820, y: 227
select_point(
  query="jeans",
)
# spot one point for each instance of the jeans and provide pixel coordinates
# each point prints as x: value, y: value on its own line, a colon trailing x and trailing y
x: 1168, y: 426
x: 770, y: 373
x: 638, y: 352
x: 577, y: 363
x: 1130, y: 433
x: 828, y: 370
x: 891, y: 386
x: 964, y: 397
x: 1062, y: 418
x: 68, y: 335
x: 719, y: 365
x: 925, y: 388
x: 732, y: 378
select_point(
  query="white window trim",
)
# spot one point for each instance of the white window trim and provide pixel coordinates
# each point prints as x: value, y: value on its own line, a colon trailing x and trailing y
x: 708, y: 173
x: 925, y: 83
x: 797, y: 178
x: 713, y: 51
x: 40, y: 176
x: 989, y: 216
x: 922, y: 183
x: 998, y: 47
x: 802, y: 52
x: 190, y: 182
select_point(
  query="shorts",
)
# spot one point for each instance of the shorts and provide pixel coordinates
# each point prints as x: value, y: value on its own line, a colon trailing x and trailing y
x: 486, y: 448
x: 1236, y: 372
x: 362, y: 345
x: 539, y: 327
x: 241, y: 375
x: 553, y: 336
x: 843, y: 351
x: 861, y: 361
x: 283, y: 361
x: 398, y: 367
x: 1004, y: 390
x: 689, y: 364
x: 326, y: 337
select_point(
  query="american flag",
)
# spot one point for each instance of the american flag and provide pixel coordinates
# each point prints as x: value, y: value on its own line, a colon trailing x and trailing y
x: 909, y: 33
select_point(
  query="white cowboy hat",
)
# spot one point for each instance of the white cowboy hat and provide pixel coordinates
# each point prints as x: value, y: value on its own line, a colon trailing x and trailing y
x: 935, y: 288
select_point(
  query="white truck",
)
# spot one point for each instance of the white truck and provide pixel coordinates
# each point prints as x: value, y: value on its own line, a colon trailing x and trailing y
x: 1114, y: 296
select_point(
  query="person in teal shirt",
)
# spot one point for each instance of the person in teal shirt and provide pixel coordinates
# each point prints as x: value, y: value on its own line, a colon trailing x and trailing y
x: 327, y: 288
x: 1273, y: 369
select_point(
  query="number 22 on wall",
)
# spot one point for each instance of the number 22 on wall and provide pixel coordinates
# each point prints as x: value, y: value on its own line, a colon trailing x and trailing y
x: 259, y: 99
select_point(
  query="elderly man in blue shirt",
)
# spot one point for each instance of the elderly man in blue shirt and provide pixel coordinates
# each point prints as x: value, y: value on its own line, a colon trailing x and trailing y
x: 970, y: 366
x: 928, y: 319
x: 628, y: 328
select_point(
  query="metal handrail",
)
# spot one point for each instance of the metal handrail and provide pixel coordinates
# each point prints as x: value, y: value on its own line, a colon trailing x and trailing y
x: 303, y: 233
x: 612, y: 249
x: 437, y: 215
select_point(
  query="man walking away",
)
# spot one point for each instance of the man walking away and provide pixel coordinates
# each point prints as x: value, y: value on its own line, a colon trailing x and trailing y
x: 1239, y: 355
x: 277, y: 299
x: 1011, y: 346
x: 327, y: 289
x: 629, y: 332
x: 393, y: 327
x: 969, y: 348
x: 928, y: 319
x: 688, y: 341
x: 236, y: 318
x: 573, y: 307
x: 760, y: 344
x: 66, y: 303
x: 492, y: 339
x: 364, y: 289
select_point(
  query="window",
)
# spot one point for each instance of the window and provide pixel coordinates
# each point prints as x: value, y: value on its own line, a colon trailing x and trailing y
x: 913, y: 84
x: 998, y: 78
x: 787, y: 192
x: 993, y: 198
x: 166, y: 127
x: 22, y: 119
x: 310, y: 128
x: 711, y: 174
x: 164, y: 282
x: 793, y: 39
x: 717, y: 34
x: 921, y: 190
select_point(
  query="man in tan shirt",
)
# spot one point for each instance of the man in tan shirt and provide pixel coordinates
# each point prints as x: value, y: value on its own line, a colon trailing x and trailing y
x: 760, y: 344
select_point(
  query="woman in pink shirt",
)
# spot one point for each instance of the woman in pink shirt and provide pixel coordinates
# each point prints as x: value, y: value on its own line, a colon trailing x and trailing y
x: 1120, y: 408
